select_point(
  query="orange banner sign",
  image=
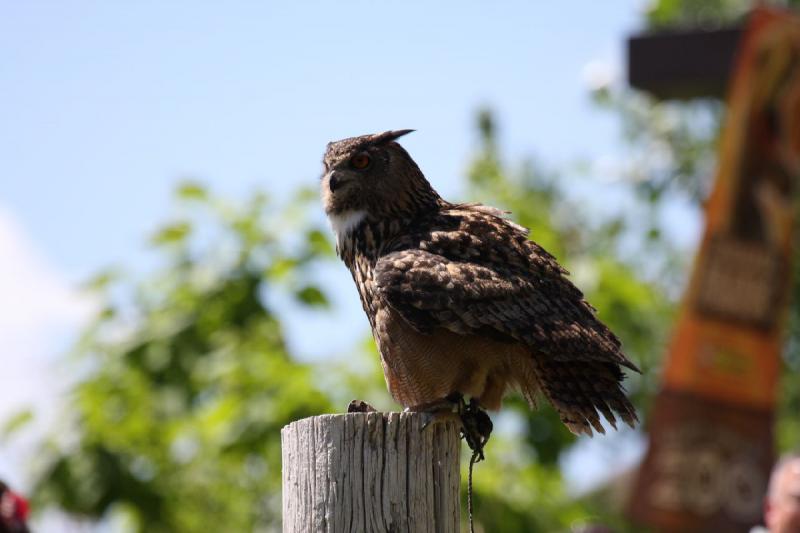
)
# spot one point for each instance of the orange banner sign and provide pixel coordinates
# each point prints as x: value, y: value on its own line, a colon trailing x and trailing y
x: 711, y: 439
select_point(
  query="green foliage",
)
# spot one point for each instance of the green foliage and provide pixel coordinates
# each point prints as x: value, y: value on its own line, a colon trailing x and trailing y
x: 788, y: 419
x: 515, y: 494
x: 696, y: 13
x: 672, y: 143
x: 188, y: 380
x: 16, y: 422
x: 666, y: 14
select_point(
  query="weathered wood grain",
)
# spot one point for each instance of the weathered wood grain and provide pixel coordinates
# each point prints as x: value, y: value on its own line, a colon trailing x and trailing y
x: 370, y: 472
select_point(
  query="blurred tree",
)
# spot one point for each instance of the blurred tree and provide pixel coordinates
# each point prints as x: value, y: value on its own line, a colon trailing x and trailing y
x: 665, y: 14
x: 176, y: 421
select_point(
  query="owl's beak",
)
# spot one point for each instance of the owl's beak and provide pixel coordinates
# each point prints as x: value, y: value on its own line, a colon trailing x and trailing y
x: 337, y: 179
x: 333, y: 181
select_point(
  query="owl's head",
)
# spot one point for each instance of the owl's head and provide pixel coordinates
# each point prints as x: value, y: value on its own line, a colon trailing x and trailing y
x: 372, y: 175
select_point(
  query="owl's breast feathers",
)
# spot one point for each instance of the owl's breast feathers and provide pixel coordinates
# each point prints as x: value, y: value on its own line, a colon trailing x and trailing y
x: 464, y: 276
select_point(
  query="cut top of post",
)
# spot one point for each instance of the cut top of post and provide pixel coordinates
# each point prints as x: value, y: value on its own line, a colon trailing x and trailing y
x: 370, y: 472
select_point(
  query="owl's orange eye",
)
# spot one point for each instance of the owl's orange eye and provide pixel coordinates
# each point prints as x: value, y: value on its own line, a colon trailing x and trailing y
x: 360, y: 161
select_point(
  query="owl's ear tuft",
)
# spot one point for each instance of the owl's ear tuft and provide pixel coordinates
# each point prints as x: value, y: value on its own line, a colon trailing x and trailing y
x: 389, y: 136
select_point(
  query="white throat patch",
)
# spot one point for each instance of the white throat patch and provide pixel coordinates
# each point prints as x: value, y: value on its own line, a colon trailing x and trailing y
x: 344, y: 223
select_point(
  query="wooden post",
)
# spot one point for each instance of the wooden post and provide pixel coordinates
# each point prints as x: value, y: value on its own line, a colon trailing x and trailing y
x: 370, y: 472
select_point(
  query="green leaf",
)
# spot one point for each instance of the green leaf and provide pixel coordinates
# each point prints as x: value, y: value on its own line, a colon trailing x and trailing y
x: 16, y: 422
x: 101, y: 280
x: 190, y: 190
x: 281, y: 268
x: 306, y: 194
x: 312, y: 296
x: 318, y: 243
x: 174, y: 233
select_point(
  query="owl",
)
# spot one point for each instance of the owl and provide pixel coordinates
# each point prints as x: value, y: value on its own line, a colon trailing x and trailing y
x: 460, y: 300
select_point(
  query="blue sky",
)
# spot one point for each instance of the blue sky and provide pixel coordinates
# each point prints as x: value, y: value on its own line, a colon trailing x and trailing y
x: 105, y: 105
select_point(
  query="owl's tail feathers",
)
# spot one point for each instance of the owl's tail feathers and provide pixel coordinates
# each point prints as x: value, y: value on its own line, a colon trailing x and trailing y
x: 580, y: 389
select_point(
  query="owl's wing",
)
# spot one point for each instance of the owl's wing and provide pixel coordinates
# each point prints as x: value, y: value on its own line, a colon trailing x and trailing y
x: 473, y: 272
x: 483, y: 276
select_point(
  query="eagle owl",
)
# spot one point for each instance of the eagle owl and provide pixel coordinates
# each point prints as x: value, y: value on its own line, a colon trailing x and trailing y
x: 460, y: 300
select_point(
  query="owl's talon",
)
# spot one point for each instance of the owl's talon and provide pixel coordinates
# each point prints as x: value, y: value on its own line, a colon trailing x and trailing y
x: 438, y: 417
x: 435, y: 412
x: 476, y: 427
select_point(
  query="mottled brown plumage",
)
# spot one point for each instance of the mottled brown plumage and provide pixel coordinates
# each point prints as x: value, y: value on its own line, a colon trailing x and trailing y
x: 460, y: 299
